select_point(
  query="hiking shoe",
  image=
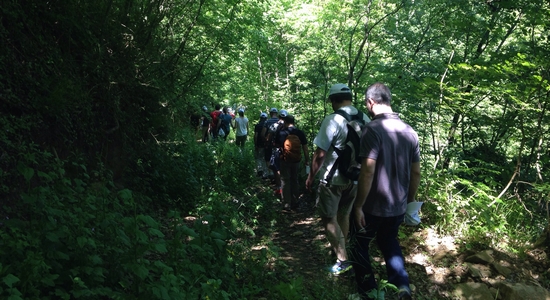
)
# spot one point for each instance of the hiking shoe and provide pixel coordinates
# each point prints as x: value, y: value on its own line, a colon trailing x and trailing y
x: 404, y: 293
x: 341, y: 267
x: 278, y: 192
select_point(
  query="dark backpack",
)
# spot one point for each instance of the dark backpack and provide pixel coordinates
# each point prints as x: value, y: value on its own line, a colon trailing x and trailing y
x: 272, y: 132
x: 291, y: 149
x: 348, y: 162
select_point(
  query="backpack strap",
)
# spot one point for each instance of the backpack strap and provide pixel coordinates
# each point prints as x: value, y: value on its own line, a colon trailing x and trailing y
x: 348, y: 117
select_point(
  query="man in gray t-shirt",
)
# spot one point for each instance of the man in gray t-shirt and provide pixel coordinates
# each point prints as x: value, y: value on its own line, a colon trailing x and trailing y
x: 389, y: 179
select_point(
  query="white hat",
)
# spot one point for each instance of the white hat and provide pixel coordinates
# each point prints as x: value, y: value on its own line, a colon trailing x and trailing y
x: 339, y: 88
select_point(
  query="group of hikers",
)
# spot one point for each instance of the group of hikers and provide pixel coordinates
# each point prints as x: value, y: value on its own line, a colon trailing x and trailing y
x: 217, y: 124
x: 367, y: 167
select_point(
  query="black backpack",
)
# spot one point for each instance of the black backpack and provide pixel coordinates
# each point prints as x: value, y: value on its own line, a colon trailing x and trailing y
x: 348, y: 162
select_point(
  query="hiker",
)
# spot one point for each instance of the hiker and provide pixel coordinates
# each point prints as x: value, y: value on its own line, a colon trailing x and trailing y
x: 334, y: 198
x: 241, y: 128
x: 214, y: 121
x: 389, y: 179
x: 274, y: 161
x: 224, y: 124
x: 205, y: 124
x: 259, y: 147
x: 273, y: 118
x: 291, y: 142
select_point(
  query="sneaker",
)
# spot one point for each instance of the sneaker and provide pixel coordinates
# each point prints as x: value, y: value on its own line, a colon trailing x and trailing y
x: 278, y: 192
x: 341, y: 267
x: 404, y: 293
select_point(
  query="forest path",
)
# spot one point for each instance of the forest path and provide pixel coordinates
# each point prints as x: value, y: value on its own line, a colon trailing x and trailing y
x: 435, y: 263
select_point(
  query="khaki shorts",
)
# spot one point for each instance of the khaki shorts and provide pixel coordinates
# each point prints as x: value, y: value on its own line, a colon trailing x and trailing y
x: 335, y: 199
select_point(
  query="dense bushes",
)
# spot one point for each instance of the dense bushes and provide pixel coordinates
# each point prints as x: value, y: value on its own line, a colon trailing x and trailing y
x: 80, y: 237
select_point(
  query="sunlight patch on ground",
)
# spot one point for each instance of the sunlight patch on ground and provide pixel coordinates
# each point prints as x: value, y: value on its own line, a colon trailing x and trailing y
x: 435, y: 242
x: 438, y: 274
x: 308, y: 221
x: 420, y: 259
x: 259, y: 247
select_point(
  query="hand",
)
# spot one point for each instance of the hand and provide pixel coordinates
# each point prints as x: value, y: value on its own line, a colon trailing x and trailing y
x: 309, y: 181
x: 359, y: 217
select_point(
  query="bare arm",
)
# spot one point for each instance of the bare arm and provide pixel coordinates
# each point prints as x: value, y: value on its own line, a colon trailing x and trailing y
x: 364, y: 184
x: 414, y: 181
x: 316, y: 163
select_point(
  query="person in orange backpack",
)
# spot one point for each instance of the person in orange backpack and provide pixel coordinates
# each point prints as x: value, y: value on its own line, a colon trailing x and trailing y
x: 291, y: 142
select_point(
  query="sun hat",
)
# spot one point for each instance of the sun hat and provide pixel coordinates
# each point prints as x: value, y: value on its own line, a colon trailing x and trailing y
x: 241, y: 110
x: 273, y: 110
x: 263, y: 116
x: 283, y: 113
x: 339, y: 89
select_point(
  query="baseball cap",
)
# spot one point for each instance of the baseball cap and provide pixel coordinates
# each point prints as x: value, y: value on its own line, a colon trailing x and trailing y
x: 205, y: 108
x: 263, y: 115
x: 273, y: 110
x: 241, y: 110
x: 283, y: 113
x: 339, y: 88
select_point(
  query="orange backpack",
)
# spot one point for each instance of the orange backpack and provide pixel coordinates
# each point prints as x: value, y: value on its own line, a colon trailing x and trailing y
x: 291, y: 150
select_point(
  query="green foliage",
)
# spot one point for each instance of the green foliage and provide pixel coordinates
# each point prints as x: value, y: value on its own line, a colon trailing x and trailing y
x: 99, y: 172
x: 290, y: 291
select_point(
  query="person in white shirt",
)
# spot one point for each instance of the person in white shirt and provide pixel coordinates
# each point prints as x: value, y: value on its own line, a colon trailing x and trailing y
x: 337, y: 194
x: 241, y: 128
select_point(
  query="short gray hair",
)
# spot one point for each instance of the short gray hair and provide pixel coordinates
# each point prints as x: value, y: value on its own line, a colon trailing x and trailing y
x: 380, y: 93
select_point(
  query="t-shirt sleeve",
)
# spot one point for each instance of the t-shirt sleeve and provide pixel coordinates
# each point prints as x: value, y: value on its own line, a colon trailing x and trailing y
x: 327, y: 133
x: 416, y: 151
x: 369, y: 147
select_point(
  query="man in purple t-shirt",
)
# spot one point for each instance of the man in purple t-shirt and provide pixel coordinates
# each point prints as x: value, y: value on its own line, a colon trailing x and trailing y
x: 389, y: 179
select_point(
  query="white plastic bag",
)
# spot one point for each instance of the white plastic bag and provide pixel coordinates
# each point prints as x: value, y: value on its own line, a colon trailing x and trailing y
x: 411, y: 216
x: 221, y: 133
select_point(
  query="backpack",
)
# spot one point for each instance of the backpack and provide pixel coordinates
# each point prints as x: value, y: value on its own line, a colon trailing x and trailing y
x: 291, y: 150
x: 348, y: 162
x: 272, y: 132
x: 226, y: 122
x: 215, y: 115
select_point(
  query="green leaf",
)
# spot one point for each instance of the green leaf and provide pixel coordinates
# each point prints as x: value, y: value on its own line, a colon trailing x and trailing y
x: 219, y: 243
x: 10, y: 279
x: 81, y: 241
x: 141, y: 236
x: 141, y: 271
x: 189, y: 232
x: 161, y: 248
x: 52, y: 237
x: 155, y: 232
x: 27, y: 172
x: 44, y: 175
x: 125, y: 195
x: 148, y: 220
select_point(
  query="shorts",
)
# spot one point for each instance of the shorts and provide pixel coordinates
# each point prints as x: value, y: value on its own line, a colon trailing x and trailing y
x: 335, y: 199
